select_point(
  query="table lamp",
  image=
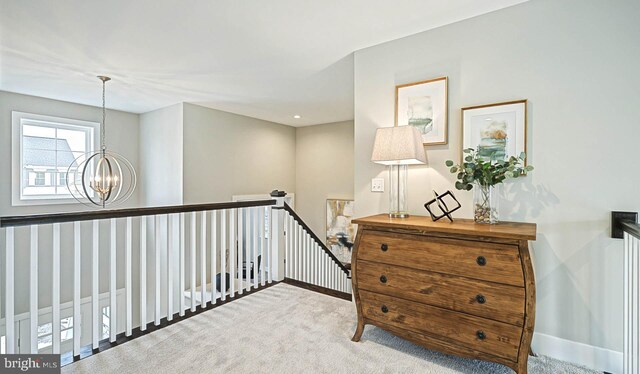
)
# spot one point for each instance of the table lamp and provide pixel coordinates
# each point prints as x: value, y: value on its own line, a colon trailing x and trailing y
x: 398, y: 147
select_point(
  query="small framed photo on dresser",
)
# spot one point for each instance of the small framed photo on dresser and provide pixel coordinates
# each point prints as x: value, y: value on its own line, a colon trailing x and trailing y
x: 424, y: 106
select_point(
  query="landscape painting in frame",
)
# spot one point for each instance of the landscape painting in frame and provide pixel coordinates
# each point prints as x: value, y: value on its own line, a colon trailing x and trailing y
x: 423, y: 105
x: 340, y: 231
x: 495, y: 131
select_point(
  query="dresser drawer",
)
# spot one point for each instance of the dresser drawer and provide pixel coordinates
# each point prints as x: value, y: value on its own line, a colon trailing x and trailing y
x: 492, y: 262
x: 484, y: 335
x: 485, y: 299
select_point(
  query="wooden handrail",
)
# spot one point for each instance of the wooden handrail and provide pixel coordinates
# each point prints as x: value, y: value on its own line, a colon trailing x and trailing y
x: 631, y: 228
x: 40, y: 219
x: 315, y: 238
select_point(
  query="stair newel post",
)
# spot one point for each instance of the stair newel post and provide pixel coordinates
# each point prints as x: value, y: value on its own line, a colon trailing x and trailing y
x: 277, y: 236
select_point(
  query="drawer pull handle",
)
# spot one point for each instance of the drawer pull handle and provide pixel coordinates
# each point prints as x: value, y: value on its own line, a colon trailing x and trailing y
x: 481, y: 335
x: 480, y: 299
x: 384, y: 247
x: 383, y: 279
x: 481, y: 260
x: 384, y: 309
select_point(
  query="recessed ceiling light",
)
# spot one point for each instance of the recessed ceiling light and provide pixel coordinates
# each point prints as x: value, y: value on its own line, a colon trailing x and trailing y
x: 296, y: 116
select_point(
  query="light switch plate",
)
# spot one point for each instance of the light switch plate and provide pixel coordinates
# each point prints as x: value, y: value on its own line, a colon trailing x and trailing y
x: 377, y: 185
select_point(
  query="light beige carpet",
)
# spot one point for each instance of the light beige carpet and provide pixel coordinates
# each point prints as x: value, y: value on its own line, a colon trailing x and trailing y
x: 284, y: 329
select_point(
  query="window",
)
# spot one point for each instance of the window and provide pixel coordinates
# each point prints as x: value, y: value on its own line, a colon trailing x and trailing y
x: 105, y: 322
x: 62, y: 179
x: 38, y: 180
x: 45, y: 333
x: 44, y: 149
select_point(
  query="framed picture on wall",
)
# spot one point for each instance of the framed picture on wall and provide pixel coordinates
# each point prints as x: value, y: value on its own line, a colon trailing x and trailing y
x: 341, y: 232
x: 424, y: 106
x: 496, y: 131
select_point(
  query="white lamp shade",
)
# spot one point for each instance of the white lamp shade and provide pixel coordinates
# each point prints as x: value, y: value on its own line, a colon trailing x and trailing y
x: 398, y: 145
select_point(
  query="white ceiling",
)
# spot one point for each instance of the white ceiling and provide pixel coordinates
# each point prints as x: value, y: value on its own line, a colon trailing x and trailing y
x: 269, y: 59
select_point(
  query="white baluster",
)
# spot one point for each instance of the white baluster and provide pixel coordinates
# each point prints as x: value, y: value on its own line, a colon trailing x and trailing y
x: 113, y: 310
x: 286, y: 248
x: 264, y: 261
x: 232, y: 252
x: 143, y: 273
x: 95, y: 290
x: 635, y: 316
x: 214, y: 255
x: 10, y: 327
x: 55, y: 287
x: 270, y: 256
x: 255, y: 241
x: 171, y: 249
x: 240, y: 249
x: 157, y: 231
x: 33, y: 291
x: 77, y: 246
x: 299, y: 252
x: 192, y: 258
x: 627, y: 280
x: 223, y: 254
x: 128, y: 288
x: 181, y: 280
x: 203, y: 259
x: 289, y: 244
x: 314, y: 263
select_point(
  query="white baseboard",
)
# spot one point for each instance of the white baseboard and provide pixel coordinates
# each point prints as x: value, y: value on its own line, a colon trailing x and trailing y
x: 593, y: 357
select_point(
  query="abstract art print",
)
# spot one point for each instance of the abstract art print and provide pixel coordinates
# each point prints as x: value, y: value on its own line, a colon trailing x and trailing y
x: 495, y: 131
x: 424, y: 106
x: 340, y: 231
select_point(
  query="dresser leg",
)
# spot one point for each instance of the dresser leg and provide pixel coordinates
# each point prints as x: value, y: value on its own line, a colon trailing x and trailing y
x: 358, y: 333
x: 521, y: 367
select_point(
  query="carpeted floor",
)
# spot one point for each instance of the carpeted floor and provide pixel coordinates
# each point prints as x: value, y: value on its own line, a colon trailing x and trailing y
x: 284, y: 329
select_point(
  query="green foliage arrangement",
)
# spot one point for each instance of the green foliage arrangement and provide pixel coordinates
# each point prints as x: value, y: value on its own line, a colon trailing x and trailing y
x: 486, y: 172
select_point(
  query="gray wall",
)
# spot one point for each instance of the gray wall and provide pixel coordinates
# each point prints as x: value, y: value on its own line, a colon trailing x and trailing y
x: 576, y: 61
x: 227, y: 154
x: 161, y: 156
x: 324, y: 170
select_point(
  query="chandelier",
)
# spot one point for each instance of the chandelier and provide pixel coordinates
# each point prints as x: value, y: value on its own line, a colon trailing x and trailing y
x: 102, y: 177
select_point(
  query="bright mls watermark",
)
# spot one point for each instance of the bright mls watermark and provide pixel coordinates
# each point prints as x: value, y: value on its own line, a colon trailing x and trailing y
x: 41, y: 364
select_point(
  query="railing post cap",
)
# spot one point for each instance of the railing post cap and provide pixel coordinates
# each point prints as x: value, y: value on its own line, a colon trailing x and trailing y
x: 278, y: 193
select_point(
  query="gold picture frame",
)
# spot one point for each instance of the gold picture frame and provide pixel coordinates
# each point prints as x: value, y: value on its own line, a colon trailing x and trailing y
x: 508, y: 118
x: 429, y: 99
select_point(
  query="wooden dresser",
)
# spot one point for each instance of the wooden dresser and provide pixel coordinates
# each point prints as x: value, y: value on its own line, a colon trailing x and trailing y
x: 459, y: 288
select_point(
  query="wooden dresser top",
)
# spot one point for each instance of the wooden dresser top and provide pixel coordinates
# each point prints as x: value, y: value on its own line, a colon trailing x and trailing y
x: 505, y: 230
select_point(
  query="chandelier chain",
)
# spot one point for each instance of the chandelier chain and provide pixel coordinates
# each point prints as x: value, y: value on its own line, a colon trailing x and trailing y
x: 104, y: 116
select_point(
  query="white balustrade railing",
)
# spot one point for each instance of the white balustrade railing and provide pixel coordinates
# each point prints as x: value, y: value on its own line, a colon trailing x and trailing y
x: 101, y: 275
x: 72, y: 282
x: 307, y: 259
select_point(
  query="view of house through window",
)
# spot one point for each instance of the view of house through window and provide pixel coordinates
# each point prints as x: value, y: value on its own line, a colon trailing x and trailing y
x: 49, y: 148
x: 45, y: 332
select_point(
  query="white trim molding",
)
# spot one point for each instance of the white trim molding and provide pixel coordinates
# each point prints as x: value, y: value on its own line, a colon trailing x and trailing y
x: 593, y: 357
x: 18, y: 119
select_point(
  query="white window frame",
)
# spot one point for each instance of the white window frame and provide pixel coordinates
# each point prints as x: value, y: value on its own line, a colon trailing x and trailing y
x: 17, y: 119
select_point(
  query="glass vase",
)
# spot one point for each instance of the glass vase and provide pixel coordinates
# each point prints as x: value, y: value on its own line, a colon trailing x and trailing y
x: 485, y: 204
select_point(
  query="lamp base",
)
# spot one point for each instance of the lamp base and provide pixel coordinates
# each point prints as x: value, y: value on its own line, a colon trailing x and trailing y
x: 398, y: 215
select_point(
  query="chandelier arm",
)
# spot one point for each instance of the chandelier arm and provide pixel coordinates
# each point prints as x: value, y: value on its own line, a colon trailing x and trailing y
x: 84, y: 186
x: 119, y: 185
x: 110, y: 180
